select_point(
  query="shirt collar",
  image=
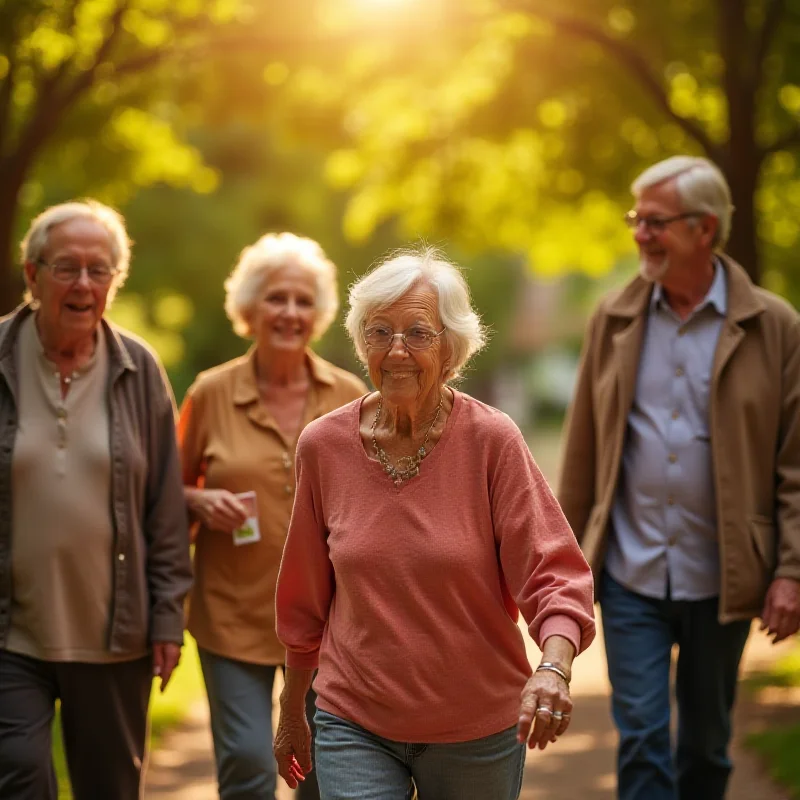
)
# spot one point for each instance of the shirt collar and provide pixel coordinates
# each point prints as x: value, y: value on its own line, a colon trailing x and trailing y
x: 246, y: 390
x: 717, y: 295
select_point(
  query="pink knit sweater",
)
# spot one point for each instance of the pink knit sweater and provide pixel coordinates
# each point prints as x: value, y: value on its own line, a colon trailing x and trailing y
x: 401, y: 596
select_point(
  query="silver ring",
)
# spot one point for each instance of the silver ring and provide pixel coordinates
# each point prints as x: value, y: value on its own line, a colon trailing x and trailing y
x: 545, y: 709
x: 558, y: 715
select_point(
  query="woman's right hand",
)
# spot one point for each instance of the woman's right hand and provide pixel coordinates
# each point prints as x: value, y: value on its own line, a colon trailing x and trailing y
x: 292, y: 747
x: 217, y: 509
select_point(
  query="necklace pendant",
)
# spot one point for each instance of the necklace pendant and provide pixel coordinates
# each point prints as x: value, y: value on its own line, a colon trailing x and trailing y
x: 421, y: 452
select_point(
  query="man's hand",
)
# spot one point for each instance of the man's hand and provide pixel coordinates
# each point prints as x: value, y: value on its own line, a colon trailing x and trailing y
x: 166, y: 656
x: 781, y: 614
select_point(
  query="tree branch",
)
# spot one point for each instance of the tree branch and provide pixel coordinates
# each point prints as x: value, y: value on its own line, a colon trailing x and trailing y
x: 639, y: 68
x: 6, y: 93
x: 87, y: 78
x: 772, y: 19
x: 635, y: 63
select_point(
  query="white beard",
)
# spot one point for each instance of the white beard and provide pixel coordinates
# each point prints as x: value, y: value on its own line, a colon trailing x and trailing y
x: 653, y: 271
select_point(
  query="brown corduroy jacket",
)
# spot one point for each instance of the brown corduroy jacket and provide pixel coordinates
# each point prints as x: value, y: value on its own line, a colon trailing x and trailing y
x: 754, y: 420
x: 151, y: 566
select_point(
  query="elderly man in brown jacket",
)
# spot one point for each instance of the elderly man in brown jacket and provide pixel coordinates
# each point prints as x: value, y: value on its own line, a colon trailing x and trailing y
x: 681, y: 479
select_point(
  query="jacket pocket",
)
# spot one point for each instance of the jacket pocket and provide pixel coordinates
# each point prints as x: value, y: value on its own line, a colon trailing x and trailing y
x: 762, y: 532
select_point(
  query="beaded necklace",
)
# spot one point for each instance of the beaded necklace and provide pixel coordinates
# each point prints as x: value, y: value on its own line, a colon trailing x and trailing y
x: 407, y: 466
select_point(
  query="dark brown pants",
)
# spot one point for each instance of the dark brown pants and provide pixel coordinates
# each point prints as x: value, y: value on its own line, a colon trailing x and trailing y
x: 103, y: 720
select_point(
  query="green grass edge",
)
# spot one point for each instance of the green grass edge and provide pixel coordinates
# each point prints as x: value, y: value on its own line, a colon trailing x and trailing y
x: 779, y: 748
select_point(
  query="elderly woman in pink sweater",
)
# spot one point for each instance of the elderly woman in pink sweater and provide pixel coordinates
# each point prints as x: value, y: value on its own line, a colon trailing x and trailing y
x: 421, y: 523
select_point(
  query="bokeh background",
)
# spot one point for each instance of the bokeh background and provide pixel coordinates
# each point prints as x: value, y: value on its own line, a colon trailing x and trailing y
x: 504, y: 131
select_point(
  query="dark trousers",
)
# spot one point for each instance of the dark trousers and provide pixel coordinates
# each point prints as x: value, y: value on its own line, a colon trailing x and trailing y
x: 639, y: 635
x: 103, y: 720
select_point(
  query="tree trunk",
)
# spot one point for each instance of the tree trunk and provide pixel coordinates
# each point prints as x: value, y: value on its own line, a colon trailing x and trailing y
x: 742, y: 159
x: 743, y: 244
x: 11, y: 283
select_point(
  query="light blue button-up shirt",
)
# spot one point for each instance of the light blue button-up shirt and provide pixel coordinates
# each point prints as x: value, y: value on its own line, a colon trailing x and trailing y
x: 663, y: 522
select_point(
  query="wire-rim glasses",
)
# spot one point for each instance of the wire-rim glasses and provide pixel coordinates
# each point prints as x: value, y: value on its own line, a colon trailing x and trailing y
x: 70, y: 271
x: 656, y: 224
x: 381, y: 337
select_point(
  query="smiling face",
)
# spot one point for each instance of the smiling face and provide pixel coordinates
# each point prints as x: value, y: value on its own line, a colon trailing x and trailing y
x: 680, y: 243
x: 71, y: 310
x: 403, y: 376
x: 283, y: 319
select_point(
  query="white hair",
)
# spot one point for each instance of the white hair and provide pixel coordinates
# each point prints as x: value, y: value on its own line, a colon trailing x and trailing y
x: 701, y: 187
x: 391, y: 279
x: 257, y: 262
x: 37, y: 238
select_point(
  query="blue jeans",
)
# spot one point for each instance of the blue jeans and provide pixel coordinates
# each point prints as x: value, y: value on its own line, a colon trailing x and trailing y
x: 354, y: 764
x: 240, y: 702
x: 639, y: 635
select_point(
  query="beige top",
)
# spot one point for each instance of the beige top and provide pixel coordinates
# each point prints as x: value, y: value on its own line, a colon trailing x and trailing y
x: 229, y: 440
x: 62, y: 534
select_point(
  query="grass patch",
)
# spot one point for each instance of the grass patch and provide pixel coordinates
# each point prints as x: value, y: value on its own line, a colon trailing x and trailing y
x: 785, y: 672
x: 779, y: 748
x: 166, y: 710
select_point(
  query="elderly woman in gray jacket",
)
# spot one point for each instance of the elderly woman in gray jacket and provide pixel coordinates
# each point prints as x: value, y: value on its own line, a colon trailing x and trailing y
x: 94, y: 559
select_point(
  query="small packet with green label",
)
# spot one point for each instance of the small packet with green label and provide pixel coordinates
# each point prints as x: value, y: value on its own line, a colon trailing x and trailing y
x: 249, y: 532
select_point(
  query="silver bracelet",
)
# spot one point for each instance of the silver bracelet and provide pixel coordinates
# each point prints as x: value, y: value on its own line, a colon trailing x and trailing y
x: 548, y: 666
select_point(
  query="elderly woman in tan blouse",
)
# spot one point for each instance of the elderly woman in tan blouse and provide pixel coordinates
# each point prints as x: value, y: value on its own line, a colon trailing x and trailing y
x: 238, y: 430
x: 94, y: 562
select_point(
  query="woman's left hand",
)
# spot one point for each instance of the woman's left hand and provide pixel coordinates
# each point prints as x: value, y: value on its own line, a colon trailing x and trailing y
x: 292, y: 746
x: 545, y: 709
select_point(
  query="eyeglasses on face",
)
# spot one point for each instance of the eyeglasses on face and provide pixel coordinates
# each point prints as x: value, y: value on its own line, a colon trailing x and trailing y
x: 656, y: 224
x: 66, y: 271
x: 380, y: 337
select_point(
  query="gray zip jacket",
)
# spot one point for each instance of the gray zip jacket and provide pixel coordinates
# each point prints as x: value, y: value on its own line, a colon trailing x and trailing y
x: 151, y: 567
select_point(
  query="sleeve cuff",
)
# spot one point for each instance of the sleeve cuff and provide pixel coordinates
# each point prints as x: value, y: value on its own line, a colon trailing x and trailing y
x: 302, y: 660
x: 561, y: 625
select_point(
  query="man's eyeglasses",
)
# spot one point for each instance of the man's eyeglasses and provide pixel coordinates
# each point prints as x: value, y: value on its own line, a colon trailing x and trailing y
x: 65, y: 271
x: 380, y: 337
x: 655, y: 224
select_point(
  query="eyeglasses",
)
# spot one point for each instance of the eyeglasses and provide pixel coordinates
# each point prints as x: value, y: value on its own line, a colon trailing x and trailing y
x: 65, y: 271
x: 380, y: 337
x: 656, y: 224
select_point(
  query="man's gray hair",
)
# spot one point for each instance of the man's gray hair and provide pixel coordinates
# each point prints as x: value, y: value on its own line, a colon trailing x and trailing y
x: 701, y: 187
x: 36, y: 239
x: 245, y: 285
x: 394, y: 277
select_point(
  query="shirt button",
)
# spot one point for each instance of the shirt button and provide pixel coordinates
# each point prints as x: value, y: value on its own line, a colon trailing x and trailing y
x: 675, y: 414
x: 670, y: 501
x: 62, y: 413
x: 672, y: 458
x: 671, y: 541
x: 678, y: 372
x: 121, y: 557
x: 681, y: 331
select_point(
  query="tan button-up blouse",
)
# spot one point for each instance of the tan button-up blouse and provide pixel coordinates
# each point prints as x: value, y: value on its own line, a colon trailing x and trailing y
x: 230, y: 441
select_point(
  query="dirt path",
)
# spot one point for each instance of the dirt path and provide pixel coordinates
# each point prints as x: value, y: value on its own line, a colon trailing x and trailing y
x: 581, y: 766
